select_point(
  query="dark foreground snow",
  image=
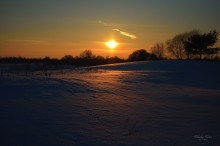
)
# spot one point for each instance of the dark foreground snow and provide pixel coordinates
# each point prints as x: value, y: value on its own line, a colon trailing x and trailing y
x: 135, y: 104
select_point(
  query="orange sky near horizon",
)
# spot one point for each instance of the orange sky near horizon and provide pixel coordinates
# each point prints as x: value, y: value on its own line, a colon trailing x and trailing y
x: 58, y: 46
x: 35, y: 29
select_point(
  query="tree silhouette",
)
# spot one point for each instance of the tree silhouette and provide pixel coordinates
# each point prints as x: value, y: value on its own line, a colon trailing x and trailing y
x: 176, y: 45
x: 139, y: 55
x: 87, y: 54
x: 201, y: 44
x: 68, y: 59
x: 158, y: 49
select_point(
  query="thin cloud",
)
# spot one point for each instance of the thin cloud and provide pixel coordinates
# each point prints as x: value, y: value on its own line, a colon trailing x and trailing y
x: 126, y: 34
x: 109, y: 24
x: 118, y: 30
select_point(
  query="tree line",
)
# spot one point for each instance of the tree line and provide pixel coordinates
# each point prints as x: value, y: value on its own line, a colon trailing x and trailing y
x: 86, y: 58
x: 187, y: 45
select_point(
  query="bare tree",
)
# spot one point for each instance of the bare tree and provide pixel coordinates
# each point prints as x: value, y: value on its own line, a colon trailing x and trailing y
x: 176, y: 46
x: 158, y: 49
x: 87, y: 54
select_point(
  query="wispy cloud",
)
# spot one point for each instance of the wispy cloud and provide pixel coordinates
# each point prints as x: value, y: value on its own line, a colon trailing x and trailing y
x: 109, y: 24
x: 126, y: 34
x: 112, y: 25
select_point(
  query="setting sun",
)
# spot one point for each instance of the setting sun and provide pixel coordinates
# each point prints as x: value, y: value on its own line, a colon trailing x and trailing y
x: 111, y: 44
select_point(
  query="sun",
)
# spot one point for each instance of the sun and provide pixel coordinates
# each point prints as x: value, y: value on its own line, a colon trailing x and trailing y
x: 111, y: 44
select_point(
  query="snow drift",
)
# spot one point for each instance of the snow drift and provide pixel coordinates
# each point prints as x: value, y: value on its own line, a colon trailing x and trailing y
x: 129, y: 104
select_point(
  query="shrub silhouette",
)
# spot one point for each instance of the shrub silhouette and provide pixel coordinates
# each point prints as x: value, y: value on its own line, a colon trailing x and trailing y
x: 140, y: 55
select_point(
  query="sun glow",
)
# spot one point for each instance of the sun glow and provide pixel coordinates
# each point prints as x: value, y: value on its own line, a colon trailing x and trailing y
x: 111, y: 44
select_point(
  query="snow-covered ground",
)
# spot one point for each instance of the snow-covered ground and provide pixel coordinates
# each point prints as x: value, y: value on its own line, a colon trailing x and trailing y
x: 160, y: 103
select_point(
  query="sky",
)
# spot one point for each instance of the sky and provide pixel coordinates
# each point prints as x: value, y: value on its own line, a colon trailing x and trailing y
x: 54, y: 28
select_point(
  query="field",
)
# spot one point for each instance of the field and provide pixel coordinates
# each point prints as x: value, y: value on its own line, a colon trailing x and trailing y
x: 130, y: 104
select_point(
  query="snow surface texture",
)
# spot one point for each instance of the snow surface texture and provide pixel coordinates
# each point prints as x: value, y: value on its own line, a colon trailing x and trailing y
x: 160, y: 103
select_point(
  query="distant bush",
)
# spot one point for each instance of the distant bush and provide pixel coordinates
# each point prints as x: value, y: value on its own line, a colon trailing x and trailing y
x: 141, y: 55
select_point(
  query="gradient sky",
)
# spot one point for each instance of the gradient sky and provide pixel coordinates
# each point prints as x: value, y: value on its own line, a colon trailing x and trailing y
x: 39, y: 28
